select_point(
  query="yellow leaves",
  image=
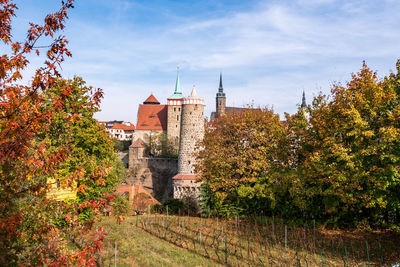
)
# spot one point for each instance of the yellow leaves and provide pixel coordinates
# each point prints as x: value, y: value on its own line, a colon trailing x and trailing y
x: 390, y: 133
x: 101, y: 181
x: 368, y: 133
x: 82, y: 188
x: 75, y: 117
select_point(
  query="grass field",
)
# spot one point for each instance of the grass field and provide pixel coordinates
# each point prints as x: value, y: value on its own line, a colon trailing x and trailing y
x: 136, y: 247
x: 158, y: 240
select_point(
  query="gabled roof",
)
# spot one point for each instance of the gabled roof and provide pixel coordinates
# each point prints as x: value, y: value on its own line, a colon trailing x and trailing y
x: 152, y: 117
x: 138, y: 143
x: 124, y: 127
x: 151, y: 100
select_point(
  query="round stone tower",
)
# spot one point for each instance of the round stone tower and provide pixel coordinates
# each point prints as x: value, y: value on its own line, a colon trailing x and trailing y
x: 192, y: 131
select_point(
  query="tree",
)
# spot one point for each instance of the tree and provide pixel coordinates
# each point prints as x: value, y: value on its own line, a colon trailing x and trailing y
x: 161, y: 146
x: 35, y: 230
x: 242, y: 158
x: 92, y: 166
x: 348, y: 154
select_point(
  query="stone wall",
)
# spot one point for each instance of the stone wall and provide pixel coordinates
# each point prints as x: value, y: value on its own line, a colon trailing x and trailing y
x: 145, y: 135
x: 154, y: 175
x: 183, y: 188
x: 192, y: 132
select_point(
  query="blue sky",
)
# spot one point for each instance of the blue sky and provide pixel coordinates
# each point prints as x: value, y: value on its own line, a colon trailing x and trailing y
x: 268, y: 51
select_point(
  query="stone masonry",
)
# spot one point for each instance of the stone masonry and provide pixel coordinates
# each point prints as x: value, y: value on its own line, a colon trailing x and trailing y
x: 192, y: 132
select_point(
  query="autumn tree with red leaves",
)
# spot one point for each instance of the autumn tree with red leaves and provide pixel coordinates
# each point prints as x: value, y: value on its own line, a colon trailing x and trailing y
x: 36, y: 230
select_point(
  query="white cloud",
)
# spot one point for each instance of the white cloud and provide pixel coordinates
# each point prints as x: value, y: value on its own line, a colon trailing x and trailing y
x: 270, y: 52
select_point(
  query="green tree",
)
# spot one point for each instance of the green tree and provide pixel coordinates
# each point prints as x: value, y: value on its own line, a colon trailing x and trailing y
x: 347, y: 156
x: 36, y: 230
x: 243, y: 157
x: 161, y: 146
x: 92, y: 164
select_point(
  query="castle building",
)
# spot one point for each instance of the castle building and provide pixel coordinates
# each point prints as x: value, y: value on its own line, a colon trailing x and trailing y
x: 152, y: 119
x: 192, y: 132
x: 182, y: 120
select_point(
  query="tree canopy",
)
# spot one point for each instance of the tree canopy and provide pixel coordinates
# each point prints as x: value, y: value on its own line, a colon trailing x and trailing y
x: 336, y: 161
x: 47, y: 131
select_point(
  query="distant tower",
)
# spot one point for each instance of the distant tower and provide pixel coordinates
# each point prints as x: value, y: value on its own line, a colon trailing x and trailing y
x: 220, y: 99
x: 303, y: 101
x: 174, y: 104
x: 192, y: 131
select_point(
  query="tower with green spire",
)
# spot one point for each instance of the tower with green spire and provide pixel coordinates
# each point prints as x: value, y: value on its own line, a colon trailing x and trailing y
x: 178, y: 92
x: 220, y: 99
x: 174, y: 107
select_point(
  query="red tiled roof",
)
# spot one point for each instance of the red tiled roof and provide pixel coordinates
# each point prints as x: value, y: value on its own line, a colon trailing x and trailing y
x: 134, y: 190
x: 138, y: 143
x: 152, y: 117
x: 123, y: 127
x: 151, y: 99
x: 185, y: 177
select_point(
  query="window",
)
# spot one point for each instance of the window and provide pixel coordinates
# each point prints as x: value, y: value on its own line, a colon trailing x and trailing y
x: 189, y: 162
x: 174, y: 109
x: 177, y: 117
x: 179, y: 109
x: 176, y: 126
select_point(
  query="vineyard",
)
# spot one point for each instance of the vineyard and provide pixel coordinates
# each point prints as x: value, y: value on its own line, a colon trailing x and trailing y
x: 267, y: 242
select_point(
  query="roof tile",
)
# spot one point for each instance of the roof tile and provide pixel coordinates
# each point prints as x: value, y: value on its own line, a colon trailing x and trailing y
x: 152, y: 117
x: 151, y: 100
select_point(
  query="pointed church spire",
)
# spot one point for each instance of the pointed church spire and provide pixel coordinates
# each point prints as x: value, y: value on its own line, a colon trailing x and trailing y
x: 220, y: 88
x: 177, y: 84
x: 177, y: 93
x: 303, y: 101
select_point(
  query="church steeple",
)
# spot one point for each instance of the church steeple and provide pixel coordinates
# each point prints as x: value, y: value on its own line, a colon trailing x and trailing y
x: 303, y: 101
x: 220, y: 88
x: 220, y: 99
x: 177, y: 93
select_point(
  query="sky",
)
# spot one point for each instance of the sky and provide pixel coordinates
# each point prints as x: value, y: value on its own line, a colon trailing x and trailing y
x: 268, y: 51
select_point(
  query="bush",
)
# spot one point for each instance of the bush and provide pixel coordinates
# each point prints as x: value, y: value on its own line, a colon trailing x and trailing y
x: 120, y: 205
x: 121, y: 146
x: 158, y: 208
x: 174, y: 205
